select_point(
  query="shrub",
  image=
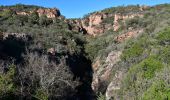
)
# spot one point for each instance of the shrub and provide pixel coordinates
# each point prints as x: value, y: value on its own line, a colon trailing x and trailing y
x: 101, y: 97
x: 6, y: 82
x: 158, y: 91
x: 164, y: 36
x: 138, y: 77
x: 44, y: 21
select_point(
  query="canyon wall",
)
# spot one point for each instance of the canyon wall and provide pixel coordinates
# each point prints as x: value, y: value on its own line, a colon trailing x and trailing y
x: 94, y: 23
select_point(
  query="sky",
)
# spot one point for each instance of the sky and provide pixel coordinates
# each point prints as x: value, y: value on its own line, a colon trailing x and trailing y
x: 78, y: 8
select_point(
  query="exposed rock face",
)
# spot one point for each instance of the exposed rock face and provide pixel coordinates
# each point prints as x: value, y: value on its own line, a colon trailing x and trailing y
x: 118, y: 17
x: 102, y: 74
x: 22, y: 13
x: 127, y: 35
x: 50, y: 13
x: 144, y: 7
x: 76, y: 25
x: 114, y: 85
x: 92, y: 25
x: 95, y: 19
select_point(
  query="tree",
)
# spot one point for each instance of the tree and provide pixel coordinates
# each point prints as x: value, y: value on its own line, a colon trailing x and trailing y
x: 47, y: 79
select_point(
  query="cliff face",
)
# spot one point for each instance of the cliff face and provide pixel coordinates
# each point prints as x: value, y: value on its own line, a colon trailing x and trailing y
x: 93, y: 24
x: 50, y: 13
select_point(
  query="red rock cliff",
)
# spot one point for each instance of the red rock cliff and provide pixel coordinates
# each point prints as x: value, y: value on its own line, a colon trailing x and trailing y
x: 50, y: 13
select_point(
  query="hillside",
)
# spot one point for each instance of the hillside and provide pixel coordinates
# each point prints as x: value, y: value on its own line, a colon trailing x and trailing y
x: 119, y: 53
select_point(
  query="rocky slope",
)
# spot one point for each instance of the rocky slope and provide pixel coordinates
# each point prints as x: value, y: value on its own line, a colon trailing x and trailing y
x: 93, y: 24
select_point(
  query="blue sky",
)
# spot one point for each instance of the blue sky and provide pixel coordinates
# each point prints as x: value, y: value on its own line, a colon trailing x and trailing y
x: 78, y: 8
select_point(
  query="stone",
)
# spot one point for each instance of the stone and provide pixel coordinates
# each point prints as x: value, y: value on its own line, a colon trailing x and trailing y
x: 51, y: 51
x: 114, y: 85
x: 103, y: 73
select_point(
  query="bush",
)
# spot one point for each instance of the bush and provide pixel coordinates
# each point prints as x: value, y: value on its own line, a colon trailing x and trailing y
x: 44, y: 21
x: 7, y: 82
x: 101, y: 97
x: 138, y: 78
x: 158, y: 91
x: 164, y: 36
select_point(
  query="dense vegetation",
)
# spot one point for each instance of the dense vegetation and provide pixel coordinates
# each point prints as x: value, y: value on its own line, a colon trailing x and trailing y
x: 28, y: 71
x: 144, y: 59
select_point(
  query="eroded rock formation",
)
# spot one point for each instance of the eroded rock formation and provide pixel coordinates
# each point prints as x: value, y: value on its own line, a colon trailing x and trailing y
x: 127, y: 35
x: 102, y: 73
x: 50, y: 13
x: 92, y: 25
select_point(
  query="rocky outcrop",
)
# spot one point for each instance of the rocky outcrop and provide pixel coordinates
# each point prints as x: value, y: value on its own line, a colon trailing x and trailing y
x: 143, y: 7
x: 95, y: 19
x: 127, y: 35
x: 23, y: 13
x: 92, y: 24
x: 50, y: 13
x: 102, y: 73
x: 114, y: 85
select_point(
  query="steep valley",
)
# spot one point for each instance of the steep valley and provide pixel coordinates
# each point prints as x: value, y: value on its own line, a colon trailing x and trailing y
x: 119, y: 53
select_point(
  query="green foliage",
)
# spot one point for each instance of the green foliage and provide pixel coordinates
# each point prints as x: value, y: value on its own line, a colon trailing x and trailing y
x: 138, y: 75
x: 44, y: 21
x: 33, y: 18
x: 133, y: 51
x: 101, y: 97
x: 164, y: 55
x: 6, y: 81
x: 97, y: 44
x: 164, y: 36
x: 158, y: 91
x: 136, y: 22
x: 142, y: 58
x: 149, y: 66
x: 41, y: 95
x: 144, y: 70
x: 122, y: 9
x: 135, y: 48
x: 6, y: 13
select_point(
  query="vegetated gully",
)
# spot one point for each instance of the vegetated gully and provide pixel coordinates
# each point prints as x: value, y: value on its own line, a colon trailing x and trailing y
x: 79, y: 65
